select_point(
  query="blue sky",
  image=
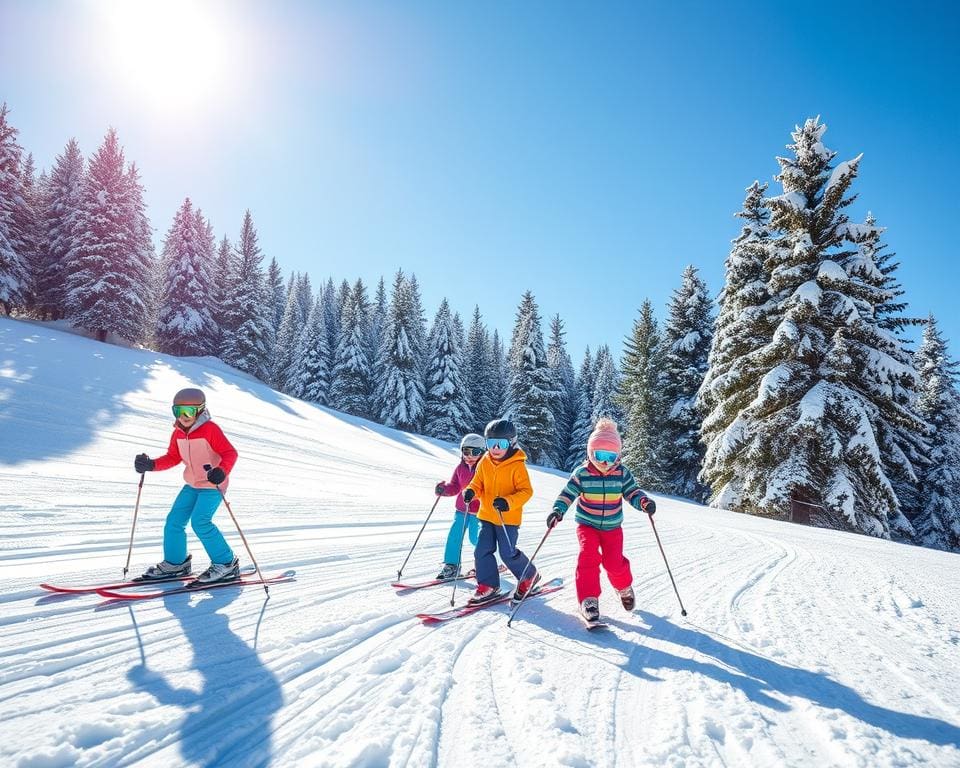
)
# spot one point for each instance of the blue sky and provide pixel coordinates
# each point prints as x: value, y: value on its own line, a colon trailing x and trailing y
x: 585, y: 151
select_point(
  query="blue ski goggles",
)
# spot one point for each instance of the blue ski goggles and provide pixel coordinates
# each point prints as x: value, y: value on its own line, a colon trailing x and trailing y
x: 606, y: 457
x: 471, y: 451
x: 498, y: 442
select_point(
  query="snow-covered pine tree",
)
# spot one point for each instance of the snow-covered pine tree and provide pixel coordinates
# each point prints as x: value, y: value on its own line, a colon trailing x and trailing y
x: 899, y: 427
x: 499, y: 375
x: 283, y: 374
x: 937, y: 522
x: 377, y: 328
x: 277, y: 292
x: 223, y: 277
x: 641, y: 396
x: 401, y: 392
x: 809, y: 436
x: 567, y: 398
x: 531, y: 391
x: 351, y: 385
x: 477, y: 376
x: 333, y: 308
x: 60, y: 211
x: 185, y: 324
x: 744, y: 326
x: 248, y: 309
x: 418, y: 324
x: 109, y: 284
x: 28, y: 223
x: 606, y: 388
x: 687, y: 334
x: 446, y: 411
x: 313, y: 371
x: 583, y: 416
x: 14, y: 277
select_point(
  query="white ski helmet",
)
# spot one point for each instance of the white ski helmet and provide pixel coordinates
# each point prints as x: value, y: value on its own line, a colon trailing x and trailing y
x: 473, y: 440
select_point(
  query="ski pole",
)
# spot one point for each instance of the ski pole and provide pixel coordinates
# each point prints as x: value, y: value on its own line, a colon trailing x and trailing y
x: 527, y: 593
x: 463, y: 535
x: 429, y: 515
x: 223, y: 496
x: 683, y: 611
x: 136, y: 511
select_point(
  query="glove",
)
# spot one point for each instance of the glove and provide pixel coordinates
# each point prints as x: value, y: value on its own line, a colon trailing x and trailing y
x: 143, y: 463
x: 500, y: 504
x: 216, y: 475
x: 553, y: 518
x: 440, y: 488
x: 648, y: 505
x: 469, y: 495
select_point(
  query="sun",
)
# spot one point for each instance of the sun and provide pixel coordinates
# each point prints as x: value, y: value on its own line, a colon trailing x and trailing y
x: 169, y: 53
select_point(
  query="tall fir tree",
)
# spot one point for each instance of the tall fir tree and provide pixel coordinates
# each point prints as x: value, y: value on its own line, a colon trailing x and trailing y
x: 277, y: 292
x: 185, y: 324
x: 479, y: 379
x: 332, y: 308
x: 29, y: 224
x: 606, y: 388
x: 530, y: 389
x: 567, y: 397
x: 61, y: 207
x: 376, y: 335
x: 284, y: 371
x: 583, y: 415
x: 223, y: 276
x: 687, y: 334
x: 401, y: 392
x: 351, y: 385
x: 446, y: 410
x: 248, y: 311
x: 499, y: 375
x: 109, y: 287
x: 14, y: 276
x: 809, y: 435
x: 743, y: 327
x: 937, y: 521
x: 313, y: 370
x: 641, y: 395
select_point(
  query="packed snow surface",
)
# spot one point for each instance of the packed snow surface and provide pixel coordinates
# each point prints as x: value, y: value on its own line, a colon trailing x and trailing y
x: 802, y: 647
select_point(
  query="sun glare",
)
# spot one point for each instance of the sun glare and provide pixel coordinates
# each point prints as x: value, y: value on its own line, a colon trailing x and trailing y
x: 170, y: 53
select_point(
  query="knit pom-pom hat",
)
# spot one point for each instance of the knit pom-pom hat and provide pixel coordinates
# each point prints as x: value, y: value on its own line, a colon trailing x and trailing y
x: 604, y: 437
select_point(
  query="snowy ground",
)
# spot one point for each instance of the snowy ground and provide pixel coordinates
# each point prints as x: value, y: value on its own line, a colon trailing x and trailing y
x: 802, y: 647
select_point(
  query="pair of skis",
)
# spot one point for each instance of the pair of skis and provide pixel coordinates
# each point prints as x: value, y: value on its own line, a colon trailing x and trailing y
x: 119, y: 590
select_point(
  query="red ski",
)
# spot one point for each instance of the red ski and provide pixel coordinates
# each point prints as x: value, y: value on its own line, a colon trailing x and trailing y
x: 464, y: 610
x: 118, y: 585
x: 193, y: 586
x: 434, y: 582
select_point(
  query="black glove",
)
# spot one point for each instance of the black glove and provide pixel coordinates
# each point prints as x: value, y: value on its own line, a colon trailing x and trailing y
x: 500, y: 504
x: 468, y: 495
x: 440, y: 488
x: 648, y: 505
x: 553, y: 518
x: 216, y: 475
x: 143, y: 463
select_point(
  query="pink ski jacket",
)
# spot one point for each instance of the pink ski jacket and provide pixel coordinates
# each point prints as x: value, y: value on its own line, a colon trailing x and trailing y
x: 205, y: 443
x: 462, y: 476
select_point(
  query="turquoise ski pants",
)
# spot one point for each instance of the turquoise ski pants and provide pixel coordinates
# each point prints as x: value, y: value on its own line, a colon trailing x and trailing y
x: 196, y: 506
x: 451, y: 553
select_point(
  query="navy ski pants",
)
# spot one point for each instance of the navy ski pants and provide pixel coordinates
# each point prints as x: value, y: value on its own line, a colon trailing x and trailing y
x: 491, y: 539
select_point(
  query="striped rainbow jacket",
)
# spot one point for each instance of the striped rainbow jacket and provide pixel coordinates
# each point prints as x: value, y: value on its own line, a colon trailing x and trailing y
x: 599, y: 497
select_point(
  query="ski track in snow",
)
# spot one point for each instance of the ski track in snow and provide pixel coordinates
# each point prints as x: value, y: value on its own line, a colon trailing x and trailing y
x: 802, y: 646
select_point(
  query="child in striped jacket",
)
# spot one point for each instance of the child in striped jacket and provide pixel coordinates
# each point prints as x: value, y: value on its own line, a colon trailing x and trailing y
x: 599, y: 486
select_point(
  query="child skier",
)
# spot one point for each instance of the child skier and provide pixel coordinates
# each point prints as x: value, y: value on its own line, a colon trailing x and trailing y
x: 599, y: 485
x: 196, y: 441
x: 472, y: 447
x: 502, y: 485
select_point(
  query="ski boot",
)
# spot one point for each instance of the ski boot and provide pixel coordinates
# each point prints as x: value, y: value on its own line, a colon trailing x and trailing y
x: 590, y: 609
x: 484, y: 594
x: 218, y: 572
x: 167, y: 570
x: 627, y: 598
x: 525, y: 586
x: 449, y: 571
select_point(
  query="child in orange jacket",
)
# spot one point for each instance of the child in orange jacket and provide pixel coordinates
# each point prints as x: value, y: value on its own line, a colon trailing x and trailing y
x: 502, y: 485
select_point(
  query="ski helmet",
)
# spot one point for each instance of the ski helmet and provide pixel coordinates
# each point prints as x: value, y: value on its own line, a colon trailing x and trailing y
x: 501, y: 428
x: 190, y: 396
x: 473, y: 440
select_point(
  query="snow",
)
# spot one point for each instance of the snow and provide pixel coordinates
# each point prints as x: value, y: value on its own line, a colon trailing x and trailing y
x: 802, y: 646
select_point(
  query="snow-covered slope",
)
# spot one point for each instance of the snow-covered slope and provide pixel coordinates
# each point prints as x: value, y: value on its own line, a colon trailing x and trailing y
x: 802, y: 647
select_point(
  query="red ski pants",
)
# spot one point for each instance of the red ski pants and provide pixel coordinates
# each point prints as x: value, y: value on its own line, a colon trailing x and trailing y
x: 596, y: 548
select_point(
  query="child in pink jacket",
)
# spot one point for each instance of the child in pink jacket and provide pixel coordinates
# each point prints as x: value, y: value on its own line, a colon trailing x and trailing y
x: 472, y: 448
